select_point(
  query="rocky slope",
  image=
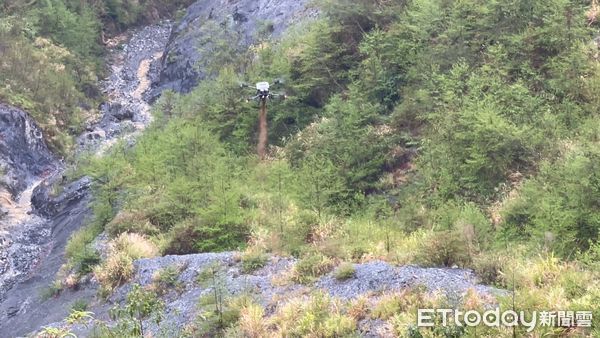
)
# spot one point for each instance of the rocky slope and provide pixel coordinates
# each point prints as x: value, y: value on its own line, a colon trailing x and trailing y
x: 32, y: 252
x: 25, y: 161
x: 134, y: 67
x: 181, y: 303
x: 24, y: 156
x: 241, y: 22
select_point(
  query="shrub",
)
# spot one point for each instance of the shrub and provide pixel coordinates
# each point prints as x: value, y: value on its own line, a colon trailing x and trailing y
x: 166, y: 279
x: 88, y: 259
x: 445, y: 248
x: 317, y: 316
x: 344, y: 271
x: 130, y: 222
x: 54, y: 332
x: 116, y: 270
x: 252, y: 261
x: 182, y: 239
x: 251, y: 322
x: 404, y: 301
x: 53, y: 290
x: 488, y: 267
x: 140, y: 307
x: 79, y: 252
x: 338, y: 325
x: 209, y: 273
x: 196, y: 235
x: 79, y: 305
x: 359, y: 308
x: 218, y: 311
x: 135, y: 246
x: 311, y: 267
x: 118, y: 267
x: 71, y: 281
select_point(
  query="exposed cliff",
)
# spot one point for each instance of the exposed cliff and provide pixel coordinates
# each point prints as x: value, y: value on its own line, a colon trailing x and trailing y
x: 24, y: 155
x: 242, y: 21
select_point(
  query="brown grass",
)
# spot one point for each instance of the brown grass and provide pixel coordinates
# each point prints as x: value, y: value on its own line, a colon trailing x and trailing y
x: 135, y: 246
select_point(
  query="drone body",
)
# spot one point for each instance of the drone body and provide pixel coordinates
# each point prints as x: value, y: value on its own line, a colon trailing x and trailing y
x: 263, y: 91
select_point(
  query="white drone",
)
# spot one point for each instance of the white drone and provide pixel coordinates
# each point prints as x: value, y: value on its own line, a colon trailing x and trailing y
x: 263, y: 92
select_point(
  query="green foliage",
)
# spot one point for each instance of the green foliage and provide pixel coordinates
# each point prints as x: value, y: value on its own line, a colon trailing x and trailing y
x: 446, y: 248
x: 56, y: 332
x: 430, y: 132
x: 79, y: 306
x: 253, y: 260
x: 184, y: 181
x: 50, y: 53
x: 141, y: 305
x: 77, y: 29
x: 120, y: 14
x: 310, y: 267
x: 489, y: 268
x: 53, y: 290
x: 318, y: 316
x: 131, y: 222
x: 344, y: 271
x: 116, y: 270
x: 79, y: 252
x: 28, y: 67
x: 404, y: 301
x: 559, y: 208
x: 53, y: 57
x: 166, y: 279
x: 218, y: 310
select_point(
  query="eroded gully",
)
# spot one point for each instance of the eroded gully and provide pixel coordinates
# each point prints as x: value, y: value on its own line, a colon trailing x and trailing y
x: 38, y: 221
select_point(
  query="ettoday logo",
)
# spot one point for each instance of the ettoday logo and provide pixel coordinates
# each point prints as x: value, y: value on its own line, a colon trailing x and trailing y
x: 497, y: 318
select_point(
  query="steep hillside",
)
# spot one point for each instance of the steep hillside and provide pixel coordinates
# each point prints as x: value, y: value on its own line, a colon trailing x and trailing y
x: 421, y: 153
x: 206, y: 25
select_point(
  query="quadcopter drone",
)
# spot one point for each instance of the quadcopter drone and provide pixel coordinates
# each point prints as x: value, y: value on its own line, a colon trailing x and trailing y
x: 263, y: 92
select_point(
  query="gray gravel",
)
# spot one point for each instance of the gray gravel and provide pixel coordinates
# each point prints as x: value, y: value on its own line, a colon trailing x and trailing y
x: 123, y: 110
x: 379, y: 276
x: 372, y: 278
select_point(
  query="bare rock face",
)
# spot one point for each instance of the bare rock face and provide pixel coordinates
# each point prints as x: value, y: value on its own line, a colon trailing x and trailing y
x: 240, y: 22
x: 25, y: 161
x: 24, y: 154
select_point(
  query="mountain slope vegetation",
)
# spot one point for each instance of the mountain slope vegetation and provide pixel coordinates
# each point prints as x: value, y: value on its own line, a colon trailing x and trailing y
x: 440, y: 133
x: 53, y: 57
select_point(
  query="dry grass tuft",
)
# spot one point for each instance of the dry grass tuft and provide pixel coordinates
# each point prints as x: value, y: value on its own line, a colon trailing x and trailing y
x: 116, y: 270
x: 135, y: 246
x: 118, y: 267
x: 252, y: 323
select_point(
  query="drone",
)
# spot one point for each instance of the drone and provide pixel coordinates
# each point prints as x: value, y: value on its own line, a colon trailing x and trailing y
x: 263, y: 94
x: 263, y: 91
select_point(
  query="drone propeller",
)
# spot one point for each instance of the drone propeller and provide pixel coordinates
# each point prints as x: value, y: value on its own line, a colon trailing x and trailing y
x: 263, y: 91
x: 281, y: 96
